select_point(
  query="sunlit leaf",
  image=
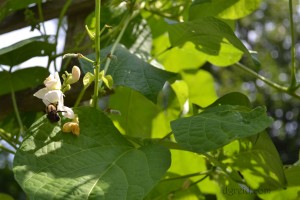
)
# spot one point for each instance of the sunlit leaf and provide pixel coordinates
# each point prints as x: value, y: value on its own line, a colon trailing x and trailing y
x: 293, y: 186
x: 22, y: 79
x: 131, y: 71
x: 258, y: 162
x: 210, y: 36
x: 225, y: 9
x: 137, y: 112
x: 98, y: 164
x: 201, y: 87
x: 218, y: 126
x: 26, y: 49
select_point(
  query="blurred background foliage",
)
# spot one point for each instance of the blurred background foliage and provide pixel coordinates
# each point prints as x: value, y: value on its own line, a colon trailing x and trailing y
x: 267, y: 31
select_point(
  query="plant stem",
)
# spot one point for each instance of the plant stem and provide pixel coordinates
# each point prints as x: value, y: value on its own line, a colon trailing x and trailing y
x: 189, y: 175
x: 7, y: 139
x: 293, y: 51
x: 6, y: 149
x: 40, y: 11
x: 13, y: 97
x: 107, y: 63
x: 97, y: 52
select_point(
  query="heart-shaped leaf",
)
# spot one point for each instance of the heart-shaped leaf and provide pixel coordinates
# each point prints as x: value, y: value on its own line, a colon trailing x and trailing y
x: 98, y: 164
x: 129, y: 70
x: 218, y: 126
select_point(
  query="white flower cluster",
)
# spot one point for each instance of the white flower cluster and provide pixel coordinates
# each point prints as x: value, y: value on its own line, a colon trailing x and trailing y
x: 52, y: 94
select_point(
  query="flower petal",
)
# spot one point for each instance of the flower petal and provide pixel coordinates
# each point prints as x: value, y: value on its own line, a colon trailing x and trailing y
x: 53, y: 82
x: 54, y: 96
x: 69, y: 113
x: 41, y: 93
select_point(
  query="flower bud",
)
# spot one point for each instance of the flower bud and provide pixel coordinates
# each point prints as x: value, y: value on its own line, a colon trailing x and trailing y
x: 75, y: 75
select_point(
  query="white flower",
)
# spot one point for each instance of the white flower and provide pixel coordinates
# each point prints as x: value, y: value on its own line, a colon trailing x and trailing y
x: 53, y: 82
x: 52, y: 94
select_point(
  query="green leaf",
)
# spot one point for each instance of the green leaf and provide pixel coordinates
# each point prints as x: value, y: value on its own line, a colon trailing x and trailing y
x: 293, y: 186
x: 225, y: 9
x: 233, y: 98
x: 218, y: 126
x: 98, y: 164
x: 176, y: 189
x: 88, y: 79
x: 22, y: 79
x: 131, y: 71
x: 257, y: 159
x: 9, y: 6
x: 212, y: 37
x: 4, y: 196
x: 201, y: 87
x: 26, y: 49
x: 137, y: 112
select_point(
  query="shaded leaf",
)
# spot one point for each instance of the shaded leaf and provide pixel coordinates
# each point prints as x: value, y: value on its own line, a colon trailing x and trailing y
x: 233, y: 98
x: 225, y: 9
x: 9, y: 6
x: 218, y: 126
x: 26, y: 49
x: 22, y: 79
x: 97, y: 164
x: 129, y: 70
x: 210, y: 36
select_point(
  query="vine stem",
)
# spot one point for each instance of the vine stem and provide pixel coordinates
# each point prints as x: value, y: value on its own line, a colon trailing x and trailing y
x: 293, y: 51
x: 107, y: 63
x: 267, y: 81
x: 14, y: 101
x: 97, y: 51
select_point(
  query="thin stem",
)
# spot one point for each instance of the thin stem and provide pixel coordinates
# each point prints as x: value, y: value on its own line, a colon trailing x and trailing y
x: 41, y: 16
x: 188, y: 175
x: 293, y: 51
x: 6, y: 149
x: 97, y: 52
x: 7, y: 139
x: 107, y: 63
x: 267, y: 81
x: 78, y: 100
x: 60, y: 19
x: 13, y: 97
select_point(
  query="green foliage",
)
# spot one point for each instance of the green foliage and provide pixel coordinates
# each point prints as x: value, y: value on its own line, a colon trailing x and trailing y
x: 210, y: 36
x: 225, y: 9
x: 26, y: 49
x: 22, y: 79
x: 51, y: 163
x: 129, y: 70
x: 164, y: 132
x: 217, y: 126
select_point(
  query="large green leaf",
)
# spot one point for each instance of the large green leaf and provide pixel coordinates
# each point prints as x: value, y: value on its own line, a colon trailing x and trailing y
x: 218, y: 126
x: 98, y: 164
x: 258, y: 161
x: 26, y: 49
x: 201, y: 87
x: 129, y: 70
x: 225, y: 9
x: 22, y: 79
x: 137, y: 112
x: 210, y: 36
